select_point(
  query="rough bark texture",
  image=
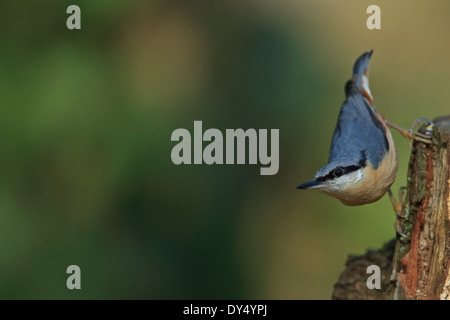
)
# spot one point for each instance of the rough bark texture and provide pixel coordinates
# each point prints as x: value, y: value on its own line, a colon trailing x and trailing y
x: 419, y: 267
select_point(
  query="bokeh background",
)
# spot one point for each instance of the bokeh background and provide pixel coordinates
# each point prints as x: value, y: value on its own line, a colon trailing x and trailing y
x: 86, y: 119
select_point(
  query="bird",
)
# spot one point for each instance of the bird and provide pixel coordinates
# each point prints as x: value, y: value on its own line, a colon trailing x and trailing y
x: 363, y: 160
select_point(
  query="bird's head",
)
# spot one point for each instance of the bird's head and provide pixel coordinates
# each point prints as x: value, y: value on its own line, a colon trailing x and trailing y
x: 340, y: 179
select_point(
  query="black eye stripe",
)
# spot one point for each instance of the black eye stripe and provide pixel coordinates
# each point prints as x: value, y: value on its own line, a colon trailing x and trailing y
x: 351, y: 168
x: 338, y: 172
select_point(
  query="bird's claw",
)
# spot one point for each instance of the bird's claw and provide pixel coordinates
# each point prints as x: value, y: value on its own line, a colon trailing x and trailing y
x: 411, y: 134
x: 400, y: 232
x: 398, y: 205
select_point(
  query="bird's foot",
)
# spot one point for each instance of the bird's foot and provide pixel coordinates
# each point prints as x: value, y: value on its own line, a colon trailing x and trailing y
x: 398, y: 205
x: 400, y: 233
x: 411, y: 135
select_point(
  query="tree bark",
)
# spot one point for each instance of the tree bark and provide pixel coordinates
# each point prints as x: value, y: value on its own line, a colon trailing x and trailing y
x: 417, y: 267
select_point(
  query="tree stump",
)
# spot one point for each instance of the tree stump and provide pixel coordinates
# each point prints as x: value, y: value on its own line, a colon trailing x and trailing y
x: 417, y: 267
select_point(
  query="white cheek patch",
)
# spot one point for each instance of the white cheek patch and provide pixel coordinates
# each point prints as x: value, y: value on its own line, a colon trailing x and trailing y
x: 340, y: 183
x: 345, y: 182
x: 359, y: 175
x: 352, y: 177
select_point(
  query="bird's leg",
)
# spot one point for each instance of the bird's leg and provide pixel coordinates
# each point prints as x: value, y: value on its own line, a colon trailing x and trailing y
x: 397, y: 205
x: 411, y: 134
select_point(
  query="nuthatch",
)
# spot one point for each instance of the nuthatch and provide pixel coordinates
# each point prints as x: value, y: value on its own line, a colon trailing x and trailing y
x: 363, y: 160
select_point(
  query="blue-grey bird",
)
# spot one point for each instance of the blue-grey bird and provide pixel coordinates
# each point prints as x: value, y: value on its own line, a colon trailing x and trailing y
x: 363, y: 160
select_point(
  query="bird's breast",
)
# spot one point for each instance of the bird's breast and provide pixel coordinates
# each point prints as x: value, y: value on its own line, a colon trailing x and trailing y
x: 373, y: 183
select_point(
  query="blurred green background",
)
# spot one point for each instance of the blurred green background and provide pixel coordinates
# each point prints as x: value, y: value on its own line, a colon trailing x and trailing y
x: 85, y: 126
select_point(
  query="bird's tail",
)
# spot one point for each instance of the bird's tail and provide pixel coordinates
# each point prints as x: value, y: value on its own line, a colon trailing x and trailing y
x: 360, y: 80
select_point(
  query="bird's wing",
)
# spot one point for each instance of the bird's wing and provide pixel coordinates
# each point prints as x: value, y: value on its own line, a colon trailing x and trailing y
x: 358, y: 135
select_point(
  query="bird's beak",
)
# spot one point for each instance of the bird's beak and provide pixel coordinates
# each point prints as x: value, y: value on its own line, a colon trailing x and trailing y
x: 313, y: 184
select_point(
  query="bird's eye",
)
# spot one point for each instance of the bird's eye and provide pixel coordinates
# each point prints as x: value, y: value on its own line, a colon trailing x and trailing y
x: 338, y: 172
